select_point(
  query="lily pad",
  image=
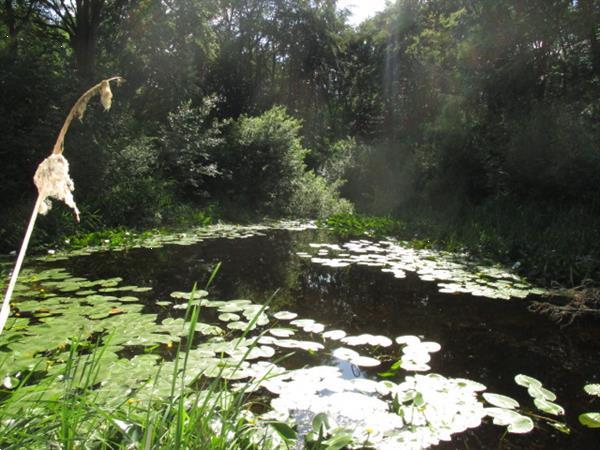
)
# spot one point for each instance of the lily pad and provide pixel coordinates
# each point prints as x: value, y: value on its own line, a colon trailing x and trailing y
x: 527, y: 381
x: 592, y: 389
x: 549, y: 407
x: 285, y: 315
x: 590, y: 419
x: 501, y: 401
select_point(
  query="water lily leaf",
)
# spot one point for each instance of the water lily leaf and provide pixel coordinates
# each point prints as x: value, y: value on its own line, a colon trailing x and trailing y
x: 335, y: 335
x: 262, y: 351
x: 407, y: 340
x: 231, y: 308
x: 501, y: 401
x: 207, y: 329
x: 367, y: 339
x: 345, y: 354
x: 293, y: 343
x: 430, y: 346
x: 187, y: 295
x: 517, y: 423
x: 366, y: 361
x: 541, y: 392
x: 227, y: 317
x: 549, y: 407
x: 239, y: 325
x: 523, y: 425
x: 470, y: 385
x: 527, y: 381
x: 308, y: 325
x: 414, y: 366
x: 590, y: 419
x: 282, y: 332
x: 592, y: 389
x: 285, y: 315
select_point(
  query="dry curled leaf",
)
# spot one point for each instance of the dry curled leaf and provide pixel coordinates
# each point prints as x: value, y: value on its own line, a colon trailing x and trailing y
x: 106, y: 95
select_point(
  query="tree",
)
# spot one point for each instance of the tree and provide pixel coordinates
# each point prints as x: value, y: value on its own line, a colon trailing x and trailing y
x: 81, y: 20
x: 16, y: 14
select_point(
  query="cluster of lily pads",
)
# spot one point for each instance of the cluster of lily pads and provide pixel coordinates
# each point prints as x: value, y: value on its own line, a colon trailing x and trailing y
x: 453, y: 273
x: 243, y: 345
x: 158, y: 239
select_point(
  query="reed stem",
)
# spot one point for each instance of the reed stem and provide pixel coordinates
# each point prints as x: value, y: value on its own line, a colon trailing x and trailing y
x: 13, y: 279
x: 78, y: 109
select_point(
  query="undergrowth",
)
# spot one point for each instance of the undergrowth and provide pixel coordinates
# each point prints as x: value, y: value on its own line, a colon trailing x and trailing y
x: 557, y: 248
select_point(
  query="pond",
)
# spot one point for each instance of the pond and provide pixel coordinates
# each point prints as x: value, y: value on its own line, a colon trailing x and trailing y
x: 364, y: 321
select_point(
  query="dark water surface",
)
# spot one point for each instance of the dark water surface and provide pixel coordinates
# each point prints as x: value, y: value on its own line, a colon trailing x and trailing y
x: 485, y: 340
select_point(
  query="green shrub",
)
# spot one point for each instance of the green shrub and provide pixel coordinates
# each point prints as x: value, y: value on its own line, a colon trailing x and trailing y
x: 264, y: 170
x: 343, y: 156
x: 315, y: 198
x: 138, y: 202
x: 190, y: 143
x: 262, y: 160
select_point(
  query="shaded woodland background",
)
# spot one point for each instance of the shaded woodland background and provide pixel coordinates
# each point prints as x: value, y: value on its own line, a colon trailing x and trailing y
x: 476, y: 122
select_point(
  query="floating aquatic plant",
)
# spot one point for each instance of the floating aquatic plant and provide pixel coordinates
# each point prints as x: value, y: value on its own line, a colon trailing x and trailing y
x: 409, y: 410
x: 52, y: 180
x: 591, y: 419
x: 453, y: 273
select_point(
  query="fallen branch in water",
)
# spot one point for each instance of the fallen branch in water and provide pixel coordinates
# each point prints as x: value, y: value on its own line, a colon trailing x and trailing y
x: 584, y: 301
x: 53, y: 181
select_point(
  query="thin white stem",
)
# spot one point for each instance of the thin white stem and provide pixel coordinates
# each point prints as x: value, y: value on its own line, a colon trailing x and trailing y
x: 13, y: 280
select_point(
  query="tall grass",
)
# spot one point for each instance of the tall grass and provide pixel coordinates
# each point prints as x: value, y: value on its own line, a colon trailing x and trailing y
x: 211, y: 416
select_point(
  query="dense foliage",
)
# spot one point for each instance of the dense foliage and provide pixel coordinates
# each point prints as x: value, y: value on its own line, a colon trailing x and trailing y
x: 432, y: 111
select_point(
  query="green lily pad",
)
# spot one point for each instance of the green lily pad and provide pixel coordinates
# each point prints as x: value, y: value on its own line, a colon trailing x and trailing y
x: 516, y: 423
x: 541, y: 392
x: 549, y: 407
x: 527, y: 381
x: 285, y: 315
x: 187, y: 295
x: 522, y: 425
x: 228, y: 317
x: 592, y: 389
x: 590, y: 419
x: 282, y: 332
x: 501, y: 401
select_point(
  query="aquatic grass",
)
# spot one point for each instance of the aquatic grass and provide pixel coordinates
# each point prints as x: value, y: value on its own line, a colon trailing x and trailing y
x: 52, y: 180
x: 63, y: 410
x: 356, y: 225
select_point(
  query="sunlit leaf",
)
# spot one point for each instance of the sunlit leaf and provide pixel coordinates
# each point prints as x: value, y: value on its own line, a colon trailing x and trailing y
x: 590, y: 419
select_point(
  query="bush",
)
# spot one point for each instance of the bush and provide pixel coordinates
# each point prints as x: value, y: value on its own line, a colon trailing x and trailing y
x: 264, y: 170
x: 190, y: 143
x: 343, y: 156
x: 315, y: 198
x: 262, y: 160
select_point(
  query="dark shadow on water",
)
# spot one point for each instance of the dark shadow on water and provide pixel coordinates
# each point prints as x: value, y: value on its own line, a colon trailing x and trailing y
x: 486, y: 340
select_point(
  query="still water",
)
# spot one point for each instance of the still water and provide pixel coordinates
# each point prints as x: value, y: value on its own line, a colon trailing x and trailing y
x: 482, y: 339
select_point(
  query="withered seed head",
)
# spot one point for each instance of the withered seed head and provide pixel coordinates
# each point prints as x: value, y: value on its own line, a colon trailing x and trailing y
x: 106, y: 95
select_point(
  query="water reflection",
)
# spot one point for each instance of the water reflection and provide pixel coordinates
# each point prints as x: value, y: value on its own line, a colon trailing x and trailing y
x: 482, y: 339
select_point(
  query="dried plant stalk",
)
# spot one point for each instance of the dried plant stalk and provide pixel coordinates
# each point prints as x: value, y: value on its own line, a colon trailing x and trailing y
x: 52, y: 180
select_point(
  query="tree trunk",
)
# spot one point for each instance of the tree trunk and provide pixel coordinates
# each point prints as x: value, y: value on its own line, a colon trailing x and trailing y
x: 84, y: 36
